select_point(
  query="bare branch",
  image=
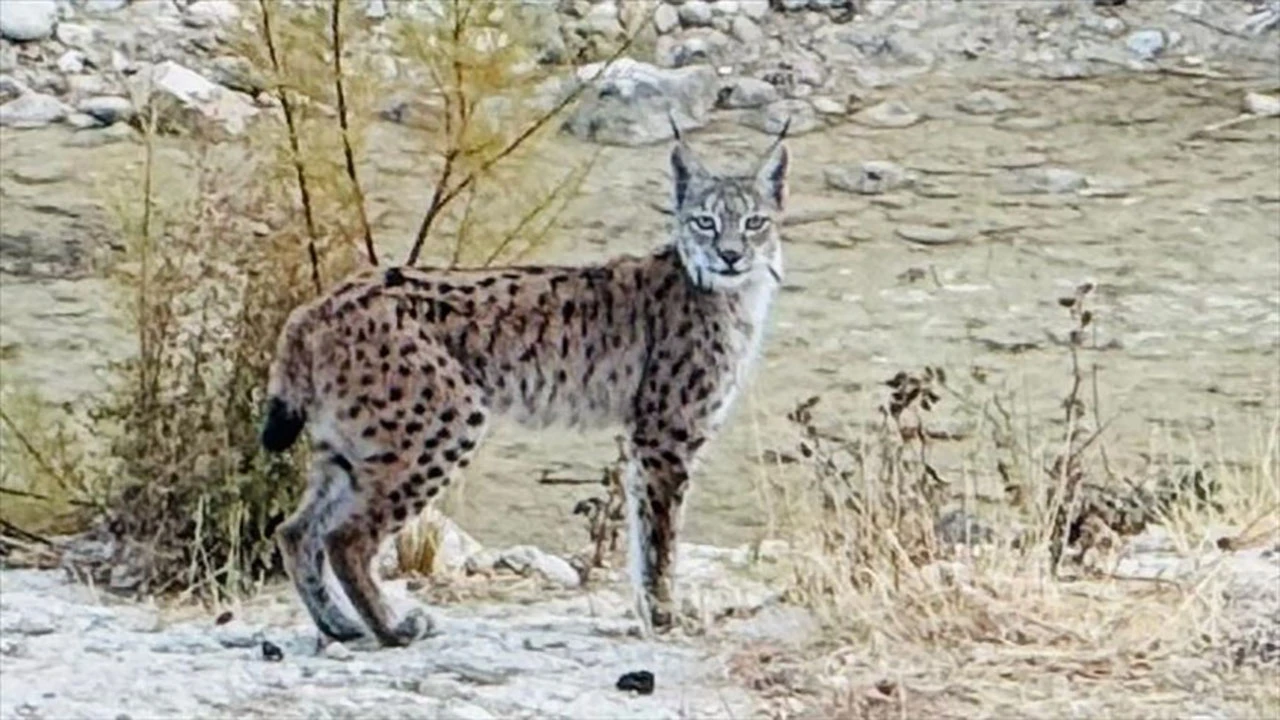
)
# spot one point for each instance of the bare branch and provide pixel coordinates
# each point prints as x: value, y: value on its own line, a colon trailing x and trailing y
x: 346, y: 133
x: 442, y: 196
x: 303, y: 191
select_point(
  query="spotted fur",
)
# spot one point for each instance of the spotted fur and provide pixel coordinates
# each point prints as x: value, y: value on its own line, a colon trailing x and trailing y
x: 397, y: 372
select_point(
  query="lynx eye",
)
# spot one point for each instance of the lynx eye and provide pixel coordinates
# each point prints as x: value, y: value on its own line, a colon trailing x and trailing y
x: 704, y: 222
x: 756, y: 222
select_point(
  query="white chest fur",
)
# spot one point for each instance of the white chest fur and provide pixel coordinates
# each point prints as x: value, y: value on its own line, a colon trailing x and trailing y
x: 754, y: 305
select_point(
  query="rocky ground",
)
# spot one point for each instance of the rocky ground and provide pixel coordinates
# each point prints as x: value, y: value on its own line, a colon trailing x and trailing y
x: 958, y: 167
x: 69, y: 653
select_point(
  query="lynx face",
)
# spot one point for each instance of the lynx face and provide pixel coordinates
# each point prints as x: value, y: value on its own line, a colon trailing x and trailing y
x: 726, y: 232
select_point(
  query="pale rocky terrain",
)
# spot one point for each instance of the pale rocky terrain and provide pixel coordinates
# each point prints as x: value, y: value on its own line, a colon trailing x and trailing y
x: 958, y: 166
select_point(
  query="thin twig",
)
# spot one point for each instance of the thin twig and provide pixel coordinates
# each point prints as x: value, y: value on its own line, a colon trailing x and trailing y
x: 346, y: 133
x: 43, y: 498
x: 443, y: 197
x: 303, y: 191
x: 35, y: 454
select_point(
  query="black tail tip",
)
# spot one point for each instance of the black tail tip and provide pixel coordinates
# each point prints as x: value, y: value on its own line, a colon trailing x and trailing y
x: 283, y: 426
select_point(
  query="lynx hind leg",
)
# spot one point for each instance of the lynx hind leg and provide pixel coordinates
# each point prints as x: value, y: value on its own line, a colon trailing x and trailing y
x: 301, y: 542
x: 414, y: 430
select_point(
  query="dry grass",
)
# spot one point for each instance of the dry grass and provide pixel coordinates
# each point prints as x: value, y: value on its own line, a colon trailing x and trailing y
x: 225, y: 235
x: 943, y: 601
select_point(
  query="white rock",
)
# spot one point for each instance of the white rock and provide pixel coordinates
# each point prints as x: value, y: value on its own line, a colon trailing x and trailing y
x: 1264, y: 105
x: 798, y: 116
x: 1044, y: 181
x: 204, y: 13
x: 725, y: 7
x: 633, y: 101
x: 11, y: 87
x: 459, y: 710
x: 746, y: 31
x: 754, y: 9
x: 696, y: 13
x: 72, y: 62
x: 27, y: 20
x: 888, y: 114
x: 603, y: 19
x: 874, y: 177
x: 107, y: 109
x: 32, y: 110
x: 987, y: 102
x: 1146, y: 44
x: 745, y: 92
x: 75, y: 35
x: 527, y: 558
x: 104, y: 6
x: 227, y: 108
x: 828, y: 105
x: 376, y: 10
x: 665, y: 19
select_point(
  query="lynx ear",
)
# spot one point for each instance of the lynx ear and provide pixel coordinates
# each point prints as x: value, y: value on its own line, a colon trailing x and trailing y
x: 685, y: 171
x: 771, y: 178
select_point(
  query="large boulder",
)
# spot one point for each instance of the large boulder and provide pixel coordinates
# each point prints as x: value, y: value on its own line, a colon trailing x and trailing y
x: 633, y: 103
x: 27, y: 20
x: 187, y: 100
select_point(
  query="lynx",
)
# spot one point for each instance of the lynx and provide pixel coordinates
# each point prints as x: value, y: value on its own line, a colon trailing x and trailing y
x: 398, y: 371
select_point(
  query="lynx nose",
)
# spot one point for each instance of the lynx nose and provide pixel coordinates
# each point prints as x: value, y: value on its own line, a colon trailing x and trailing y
x: 730, y: 257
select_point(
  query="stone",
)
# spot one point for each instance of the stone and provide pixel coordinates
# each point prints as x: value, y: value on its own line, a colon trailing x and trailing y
x: 32, y: 110
x: 1146, y: 44
x: 75, y: 35
x: 11, y: 87
x: 665, y: 19
x: 696, y: 47
x: 1043, y: 181
x: 237, y: 73
x: 931, y: 234
x: 874, y: 177
x: 695, y: 13
x: 745, y: 30
x: 525, y: 559
x: 207, y: 13
x: 632, y: 99
x: 888, y: 114
x: 826, y: 105
x: 1262, y: 105
x: 771, y: 118
x: 745, y: 92
x: 602, y: 19
x: 28, y: 20
x: 100, y: 7
x: 193, y: 100
x: 72, y: 62
x: 987, y: 102
x: 376, y: 10
x: 108, y: 109
x: 755, y: 9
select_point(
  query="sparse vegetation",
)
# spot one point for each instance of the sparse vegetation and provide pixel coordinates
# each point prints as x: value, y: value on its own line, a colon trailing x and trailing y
x: 937, y: 608
x: 221, y: 246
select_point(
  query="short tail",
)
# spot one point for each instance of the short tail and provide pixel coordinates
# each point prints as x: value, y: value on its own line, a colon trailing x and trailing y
x: 289, y: 387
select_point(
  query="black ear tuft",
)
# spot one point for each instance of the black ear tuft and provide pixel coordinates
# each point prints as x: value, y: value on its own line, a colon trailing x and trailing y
x: 681, y: 173
x: 771, y: 178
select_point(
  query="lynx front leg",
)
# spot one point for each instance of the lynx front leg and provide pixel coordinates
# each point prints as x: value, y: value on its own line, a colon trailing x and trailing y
x: 656, y: 483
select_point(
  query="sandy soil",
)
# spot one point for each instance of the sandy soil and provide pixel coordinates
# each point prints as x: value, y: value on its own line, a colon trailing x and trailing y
x: 1180, y: 234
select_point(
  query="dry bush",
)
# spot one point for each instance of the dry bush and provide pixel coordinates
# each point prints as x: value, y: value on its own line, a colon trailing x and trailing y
x: 943, y: 603
x: 223, y: 242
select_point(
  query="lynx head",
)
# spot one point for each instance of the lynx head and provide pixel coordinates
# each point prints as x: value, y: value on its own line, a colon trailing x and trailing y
x: 726, y: 225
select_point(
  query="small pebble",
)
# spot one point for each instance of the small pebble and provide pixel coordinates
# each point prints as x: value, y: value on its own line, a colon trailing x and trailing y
x: 639, y: 681
x: 271, y: 652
